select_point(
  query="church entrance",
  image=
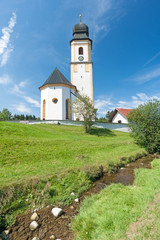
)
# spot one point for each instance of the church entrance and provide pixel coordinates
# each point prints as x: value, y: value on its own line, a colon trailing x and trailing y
x: 44, y: 109
x: 67, y: 109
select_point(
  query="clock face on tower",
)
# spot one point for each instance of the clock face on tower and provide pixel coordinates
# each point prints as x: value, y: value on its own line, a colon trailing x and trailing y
x: 81, y: 58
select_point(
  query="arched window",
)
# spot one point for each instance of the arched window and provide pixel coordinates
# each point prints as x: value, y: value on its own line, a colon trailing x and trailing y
x: 80, y: 51
x: 67, y: 109
x: 44, y: 109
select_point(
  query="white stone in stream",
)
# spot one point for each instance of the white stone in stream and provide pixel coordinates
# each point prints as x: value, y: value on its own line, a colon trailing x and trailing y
x: 33, y: 225
x: 52, y: 237
x: 6, y: 232
x: 76, y: 200
x: 56, y: 211
x: 34, y: 216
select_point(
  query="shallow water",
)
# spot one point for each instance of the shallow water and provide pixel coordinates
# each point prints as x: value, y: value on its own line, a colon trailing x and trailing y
x: 125, y: 175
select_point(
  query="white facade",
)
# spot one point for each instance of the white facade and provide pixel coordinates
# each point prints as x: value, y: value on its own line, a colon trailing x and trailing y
x: 57, y: 92
x: 119, y: 117
x: 81, y: 69
x: 59, y: 110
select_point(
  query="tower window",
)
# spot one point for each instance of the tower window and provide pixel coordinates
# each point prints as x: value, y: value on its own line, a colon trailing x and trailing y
x: 80, y: 51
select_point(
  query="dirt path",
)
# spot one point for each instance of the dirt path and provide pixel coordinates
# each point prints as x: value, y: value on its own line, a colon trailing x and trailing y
x: 60, y: 227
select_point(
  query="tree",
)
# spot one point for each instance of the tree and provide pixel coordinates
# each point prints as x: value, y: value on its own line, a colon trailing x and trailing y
x: 84, y: 109
x: 108, y: 114
x: 145, y: 125
x: 5, y: 114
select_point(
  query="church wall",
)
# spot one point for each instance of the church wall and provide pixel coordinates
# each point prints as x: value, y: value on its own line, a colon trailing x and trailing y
x: 53, y: 110
x: 83, y: 79
x: 65, y: 95
x: 119, y: 117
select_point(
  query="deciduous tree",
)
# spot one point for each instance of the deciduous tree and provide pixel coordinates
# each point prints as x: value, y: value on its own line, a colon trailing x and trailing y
x: 5, y: 114
x: 145, y: 125
x: 85, y: 111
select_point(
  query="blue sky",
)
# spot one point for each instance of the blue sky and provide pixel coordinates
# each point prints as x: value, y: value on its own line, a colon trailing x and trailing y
x: 34, y: 39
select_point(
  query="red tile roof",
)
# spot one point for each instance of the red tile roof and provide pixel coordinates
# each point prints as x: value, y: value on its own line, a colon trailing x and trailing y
x: 124, y: 111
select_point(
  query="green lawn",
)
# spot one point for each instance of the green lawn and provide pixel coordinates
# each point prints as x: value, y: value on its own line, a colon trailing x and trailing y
x: 42, y: 150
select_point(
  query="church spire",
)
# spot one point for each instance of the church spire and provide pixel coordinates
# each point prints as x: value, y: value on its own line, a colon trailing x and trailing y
x: 80, y: 15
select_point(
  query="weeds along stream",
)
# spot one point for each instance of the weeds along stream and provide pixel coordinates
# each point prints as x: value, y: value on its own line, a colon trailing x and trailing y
x: 60, y: 227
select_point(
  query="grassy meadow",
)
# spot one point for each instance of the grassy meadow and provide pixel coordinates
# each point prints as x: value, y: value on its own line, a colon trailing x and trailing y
x: 40, y: 151
x: 45, y: 163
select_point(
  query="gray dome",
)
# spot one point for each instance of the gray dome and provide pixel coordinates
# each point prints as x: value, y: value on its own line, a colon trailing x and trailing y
x: 81, y: 28
x: 81, y: 32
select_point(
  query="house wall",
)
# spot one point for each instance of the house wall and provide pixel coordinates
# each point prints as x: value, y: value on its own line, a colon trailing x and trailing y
x: 55, y: 111
x: 119, y: 117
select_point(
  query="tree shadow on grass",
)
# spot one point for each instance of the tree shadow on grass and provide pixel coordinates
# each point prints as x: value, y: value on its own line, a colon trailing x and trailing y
x: 102, y: 132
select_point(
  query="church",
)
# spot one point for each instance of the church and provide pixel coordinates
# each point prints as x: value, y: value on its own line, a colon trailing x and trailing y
x: 57, y: 92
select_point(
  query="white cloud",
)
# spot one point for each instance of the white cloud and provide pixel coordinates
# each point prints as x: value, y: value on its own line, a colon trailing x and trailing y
x: 134, y: 98
x: 142, y: 96
x: 23, y: 84
x: 105, y: 104
x: 5, y: 47
x: 146, y: 75
x: 152, y: 59
x: 6, y: 56
x: 34, y: 102
x: 22, y: 108
x: 100, y: 15
x: 5, y: 79
x: 16, y: 90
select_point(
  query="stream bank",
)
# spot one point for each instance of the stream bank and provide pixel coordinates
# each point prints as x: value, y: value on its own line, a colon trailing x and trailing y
x: 60, y: 227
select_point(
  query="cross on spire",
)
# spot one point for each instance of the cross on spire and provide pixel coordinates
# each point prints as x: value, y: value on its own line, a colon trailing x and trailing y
x: 80, y: 15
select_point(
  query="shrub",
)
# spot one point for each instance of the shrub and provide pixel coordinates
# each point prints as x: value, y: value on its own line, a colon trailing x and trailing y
x: 145, y: 125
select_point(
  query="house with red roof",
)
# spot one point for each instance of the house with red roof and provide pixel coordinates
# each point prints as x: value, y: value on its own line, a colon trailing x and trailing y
x: 120, y: 115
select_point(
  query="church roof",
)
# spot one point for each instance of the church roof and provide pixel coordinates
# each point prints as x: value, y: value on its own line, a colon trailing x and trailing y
x: 57, y: 77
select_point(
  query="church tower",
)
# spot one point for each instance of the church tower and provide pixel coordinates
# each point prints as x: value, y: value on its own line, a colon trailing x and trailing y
x: 81, y: 62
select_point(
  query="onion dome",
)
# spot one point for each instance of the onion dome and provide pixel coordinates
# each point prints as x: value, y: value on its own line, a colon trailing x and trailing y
x: 80, y: 31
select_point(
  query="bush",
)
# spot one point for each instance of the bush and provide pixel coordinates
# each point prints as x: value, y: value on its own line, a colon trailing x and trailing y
x: 145, y: 125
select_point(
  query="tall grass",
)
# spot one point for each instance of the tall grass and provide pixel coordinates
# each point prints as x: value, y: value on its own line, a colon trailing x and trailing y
x: 108, y: 214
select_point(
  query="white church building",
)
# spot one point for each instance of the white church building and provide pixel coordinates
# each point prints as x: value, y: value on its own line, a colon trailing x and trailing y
x: 57, y: 92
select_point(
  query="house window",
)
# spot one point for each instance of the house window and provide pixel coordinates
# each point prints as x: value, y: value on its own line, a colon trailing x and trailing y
x: 80, y: 51
x: 55, y: 100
